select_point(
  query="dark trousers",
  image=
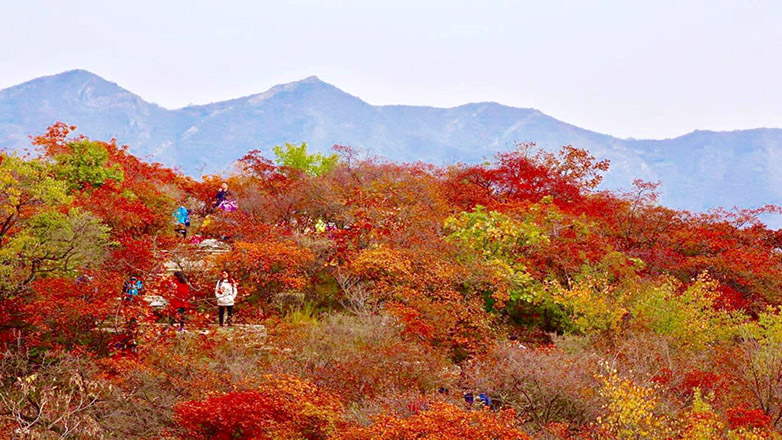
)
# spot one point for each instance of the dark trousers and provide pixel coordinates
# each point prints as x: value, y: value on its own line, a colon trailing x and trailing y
x: 222, y: 313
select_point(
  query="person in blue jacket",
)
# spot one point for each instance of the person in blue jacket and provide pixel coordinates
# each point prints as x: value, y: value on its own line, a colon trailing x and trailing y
x: 182, y: 217
x: 132, y: 288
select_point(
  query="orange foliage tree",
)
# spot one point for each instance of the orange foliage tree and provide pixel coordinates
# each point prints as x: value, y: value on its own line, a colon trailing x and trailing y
x: 443, y: 422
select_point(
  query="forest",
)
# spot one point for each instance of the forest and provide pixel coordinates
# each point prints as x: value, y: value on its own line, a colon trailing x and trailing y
x: 513, y: 299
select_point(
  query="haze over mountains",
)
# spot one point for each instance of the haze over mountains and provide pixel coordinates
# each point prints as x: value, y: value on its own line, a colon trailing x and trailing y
x: 700, y: 170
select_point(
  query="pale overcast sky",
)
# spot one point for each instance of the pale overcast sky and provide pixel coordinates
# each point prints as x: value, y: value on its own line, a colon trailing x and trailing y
x: 627, y: 68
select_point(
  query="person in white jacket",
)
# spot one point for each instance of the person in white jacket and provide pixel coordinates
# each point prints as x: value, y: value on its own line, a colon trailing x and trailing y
x: 225, y: 291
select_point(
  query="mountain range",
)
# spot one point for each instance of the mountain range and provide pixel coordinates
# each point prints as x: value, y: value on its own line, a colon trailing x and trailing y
x: 699, y: 171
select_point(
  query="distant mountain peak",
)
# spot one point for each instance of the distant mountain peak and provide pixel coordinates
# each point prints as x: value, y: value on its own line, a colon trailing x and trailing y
x: 76, y: 75
x: 78, y: 72
x: 69, y: 77
x: 303, y: 86
x: 310, y: 79
x: 71, y: 87
x: 700, y: 170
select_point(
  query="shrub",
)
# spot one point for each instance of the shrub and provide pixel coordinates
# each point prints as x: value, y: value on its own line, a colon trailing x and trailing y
x: 49, y: 397
x: 360, y: 357
x: 283, y: 408
x: 541, y: 385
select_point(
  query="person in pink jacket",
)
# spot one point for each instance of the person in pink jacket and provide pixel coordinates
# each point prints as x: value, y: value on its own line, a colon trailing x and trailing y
x: 225, y: 291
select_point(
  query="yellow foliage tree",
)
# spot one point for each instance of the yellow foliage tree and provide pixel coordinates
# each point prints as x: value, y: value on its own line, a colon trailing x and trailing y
x: 629, y: 408
x: 689, y: 317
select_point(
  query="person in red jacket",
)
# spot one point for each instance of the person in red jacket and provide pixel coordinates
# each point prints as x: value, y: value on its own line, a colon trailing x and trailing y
x: 181, y: 300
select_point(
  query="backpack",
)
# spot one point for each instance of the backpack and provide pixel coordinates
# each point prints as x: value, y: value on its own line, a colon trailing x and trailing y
x: 228, y: 205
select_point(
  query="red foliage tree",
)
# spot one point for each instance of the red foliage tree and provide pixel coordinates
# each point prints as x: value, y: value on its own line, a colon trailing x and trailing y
x: 283, y: 408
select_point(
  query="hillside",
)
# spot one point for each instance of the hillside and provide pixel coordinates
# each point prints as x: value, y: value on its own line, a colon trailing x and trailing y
x: 351, y: 299
x: 699, y: 171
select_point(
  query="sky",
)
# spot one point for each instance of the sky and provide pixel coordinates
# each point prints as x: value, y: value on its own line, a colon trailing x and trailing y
x: 642, y: 69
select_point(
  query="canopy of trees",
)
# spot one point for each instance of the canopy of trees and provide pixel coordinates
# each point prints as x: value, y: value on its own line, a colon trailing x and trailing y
x: 378, y: 300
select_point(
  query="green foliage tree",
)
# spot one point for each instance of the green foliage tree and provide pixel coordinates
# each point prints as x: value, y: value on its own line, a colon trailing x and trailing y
x: 500, y: 241
x: 51, y: 243
x: 296, y: 157
x: 85, y: 163
x: 39, y: 234
x: 25, y: 187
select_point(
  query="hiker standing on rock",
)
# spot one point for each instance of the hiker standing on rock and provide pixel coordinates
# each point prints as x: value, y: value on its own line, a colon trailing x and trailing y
x: 225, y: 291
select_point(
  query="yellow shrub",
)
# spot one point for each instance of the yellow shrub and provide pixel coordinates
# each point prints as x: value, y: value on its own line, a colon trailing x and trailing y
x: 629, y: 408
